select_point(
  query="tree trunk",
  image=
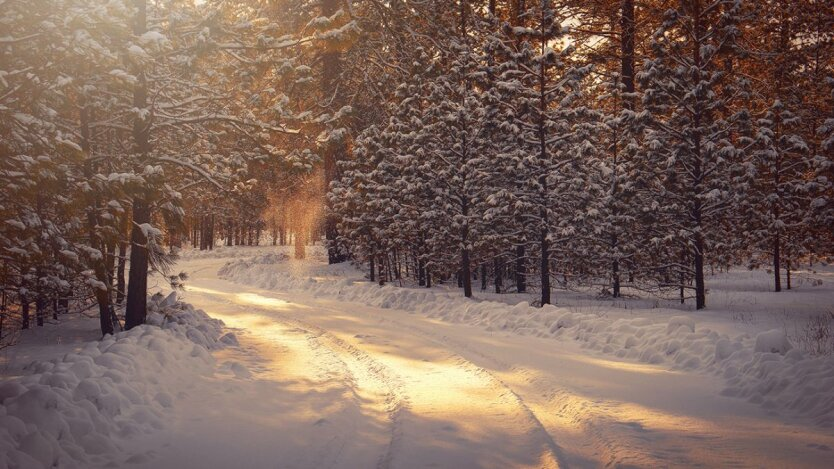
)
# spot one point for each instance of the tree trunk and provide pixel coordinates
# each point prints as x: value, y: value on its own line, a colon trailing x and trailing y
x: 24, y: 312
x: 466, y: 273
x: 499, y: 281
x: 627, y: 51
x: 545, y: 267
x: 40, y: 309
x: 372, y: 268
x: 520, y: 270
x: 120, y: 272
x: 63, y: 305
x: 682, y: 287
x: 137, y: 293
x: 99, y: 267
x: 381, y: 267
x: 483, y: 276
x: 211, y: 232
x: 777, y: 268
x: 700, y: 287
x: 334, y: 152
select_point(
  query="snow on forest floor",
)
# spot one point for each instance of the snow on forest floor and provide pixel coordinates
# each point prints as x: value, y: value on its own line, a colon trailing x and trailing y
x: 72, y: 400
x: 734, y: 339
x: 325, y: 369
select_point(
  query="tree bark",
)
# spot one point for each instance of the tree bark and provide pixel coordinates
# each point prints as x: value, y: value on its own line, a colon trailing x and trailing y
x: 499, y: 281
x: 122, y: 263
x: 331, y: 73
x: 137, y: 294
x: 520, y: 270
x: 777, y: 268
x: 466, y: 272
x: 99, y: 267
x: 24, y: 312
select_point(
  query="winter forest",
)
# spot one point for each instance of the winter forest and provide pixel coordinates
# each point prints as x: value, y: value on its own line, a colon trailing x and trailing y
x: 380, y: 219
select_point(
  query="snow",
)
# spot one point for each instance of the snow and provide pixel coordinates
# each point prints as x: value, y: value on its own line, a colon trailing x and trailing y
x: 796, y: 385
x: 773, y: 341
x: 153, y: 38
x: 317, y: 367
x: 148, y: 231
x: 82, y: 408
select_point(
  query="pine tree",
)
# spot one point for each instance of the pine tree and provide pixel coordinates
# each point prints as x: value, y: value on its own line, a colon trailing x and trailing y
x: 689, y: 90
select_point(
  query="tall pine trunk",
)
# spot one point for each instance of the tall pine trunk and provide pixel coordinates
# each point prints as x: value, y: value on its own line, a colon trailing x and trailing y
x: 102, y: 292
x: 137, y: 289
x: 627, y: 76
x: 331, y: 73
x: 499, y: 281
x: 777, y: 268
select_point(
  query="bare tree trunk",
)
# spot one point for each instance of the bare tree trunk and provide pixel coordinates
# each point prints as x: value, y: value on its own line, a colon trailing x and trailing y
x: 121, y: 264
x: 102, y: 293
x: 40, y: 309
x: 499, y: 281
x: 777, y: 268
x: 24, y: 312
x: 331, y: 73
x: 137, y: 293
x: 520, y: 270
x: 381, y: 267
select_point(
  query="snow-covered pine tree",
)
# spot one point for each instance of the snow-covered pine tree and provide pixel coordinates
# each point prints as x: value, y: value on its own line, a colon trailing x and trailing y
x: 546, y: 158
x: 780, y: 202
x: 822, y: 204
x: 690, y: 147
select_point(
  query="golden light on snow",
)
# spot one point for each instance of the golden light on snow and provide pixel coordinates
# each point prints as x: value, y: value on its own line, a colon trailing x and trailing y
x: 618, y: 365
x: 255, y: 299
x: 459, y: 410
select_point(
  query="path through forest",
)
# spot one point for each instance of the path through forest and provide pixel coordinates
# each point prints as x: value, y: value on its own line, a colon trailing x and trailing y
x: 320, y: 383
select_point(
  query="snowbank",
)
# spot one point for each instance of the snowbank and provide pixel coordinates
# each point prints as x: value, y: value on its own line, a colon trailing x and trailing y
x: 72, y: 411
x: 226, y: 252
x: 785, y: 381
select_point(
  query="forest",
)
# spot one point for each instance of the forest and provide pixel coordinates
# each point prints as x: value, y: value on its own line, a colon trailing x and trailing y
x: 394, y: 234
x: 633, y: 147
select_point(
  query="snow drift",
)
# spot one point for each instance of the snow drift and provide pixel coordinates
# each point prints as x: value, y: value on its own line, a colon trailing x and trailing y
x: 764, y: 370
x: 71, y: 411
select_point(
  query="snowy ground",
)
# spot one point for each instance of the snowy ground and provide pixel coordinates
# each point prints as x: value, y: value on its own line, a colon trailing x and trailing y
x: 332, y: 371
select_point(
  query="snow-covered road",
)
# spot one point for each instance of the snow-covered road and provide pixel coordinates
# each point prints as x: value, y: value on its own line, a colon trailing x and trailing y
x: 322, y: 383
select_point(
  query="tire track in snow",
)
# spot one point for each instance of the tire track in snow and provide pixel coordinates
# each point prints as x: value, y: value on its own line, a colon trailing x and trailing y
x: 370, y: 371
x: 500, y: 387
x: 498, y: 406
x: 395, y: 400
x: 614, y: 448
x: 444, y: 341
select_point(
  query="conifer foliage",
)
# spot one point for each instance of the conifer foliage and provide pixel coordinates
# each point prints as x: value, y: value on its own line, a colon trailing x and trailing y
x: 628, y: 146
